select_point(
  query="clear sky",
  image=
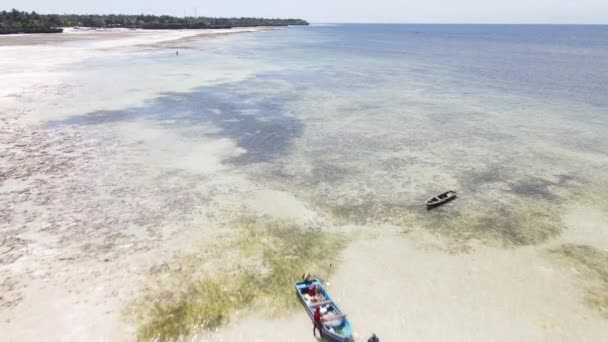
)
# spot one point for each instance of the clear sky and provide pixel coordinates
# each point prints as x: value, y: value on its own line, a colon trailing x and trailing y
x: 408, y: 11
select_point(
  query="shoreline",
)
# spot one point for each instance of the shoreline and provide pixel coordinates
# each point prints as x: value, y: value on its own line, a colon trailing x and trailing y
x: 149, y: 36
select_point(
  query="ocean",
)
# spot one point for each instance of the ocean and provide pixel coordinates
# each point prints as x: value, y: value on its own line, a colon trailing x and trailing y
x: 364, y: 122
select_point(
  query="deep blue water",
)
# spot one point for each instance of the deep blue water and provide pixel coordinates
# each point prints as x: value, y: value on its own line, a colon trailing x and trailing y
x: 554, y: 64
x: 560, y: 62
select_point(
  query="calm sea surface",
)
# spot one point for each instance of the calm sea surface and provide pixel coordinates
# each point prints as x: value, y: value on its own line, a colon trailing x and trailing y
x: 366, y: 121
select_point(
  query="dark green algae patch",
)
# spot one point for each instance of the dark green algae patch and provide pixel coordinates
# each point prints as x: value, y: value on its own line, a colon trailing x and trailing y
x: 499, y: 225
x: 464, y: 223
x: 591, y: 265
x: 270, y: 256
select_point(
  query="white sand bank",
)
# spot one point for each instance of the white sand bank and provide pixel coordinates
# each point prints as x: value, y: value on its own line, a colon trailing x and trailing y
x: 487, y: 295
x: 586, y: 226
x: 404, y: 292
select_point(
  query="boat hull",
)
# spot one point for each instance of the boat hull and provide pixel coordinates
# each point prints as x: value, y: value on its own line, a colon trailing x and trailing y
x: 440, y: 199
x: 339, y: 333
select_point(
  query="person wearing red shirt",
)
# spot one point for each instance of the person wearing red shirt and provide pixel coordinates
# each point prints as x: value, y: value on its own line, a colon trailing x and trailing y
x: 318, y: 323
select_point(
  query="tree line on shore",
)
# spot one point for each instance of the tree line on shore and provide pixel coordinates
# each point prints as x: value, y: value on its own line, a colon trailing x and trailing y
x: 31, y: 22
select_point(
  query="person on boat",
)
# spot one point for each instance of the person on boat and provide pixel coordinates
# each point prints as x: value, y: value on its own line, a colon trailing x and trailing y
x: 313, y: 294
x: 320, y: 316
x: 318, y: 323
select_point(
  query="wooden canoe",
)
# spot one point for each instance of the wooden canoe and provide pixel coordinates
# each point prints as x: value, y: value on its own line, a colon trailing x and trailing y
x: 441, y: 199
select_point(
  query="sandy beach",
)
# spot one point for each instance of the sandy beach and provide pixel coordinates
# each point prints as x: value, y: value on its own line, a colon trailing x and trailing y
x: 58, y: 279
x: 96, y: 209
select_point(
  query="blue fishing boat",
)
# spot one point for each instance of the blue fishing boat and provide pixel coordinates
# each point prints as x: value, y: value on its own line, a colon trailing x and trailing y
x: 336, y: 326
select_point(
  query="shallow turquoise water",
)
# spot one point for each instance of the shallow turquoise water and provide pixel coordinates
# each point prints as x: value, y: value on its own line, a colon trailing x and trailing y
x: 367, y: 121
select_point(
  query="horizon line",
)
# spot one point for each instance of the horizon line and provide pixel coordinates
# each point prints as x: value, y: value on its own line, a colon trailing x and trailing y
x: 454, y: 23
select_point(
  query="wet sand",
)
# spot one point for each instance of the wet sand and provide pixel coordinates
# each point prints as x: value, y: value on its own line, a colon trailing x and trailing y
x: 73, y: 251
x: 405, y: 289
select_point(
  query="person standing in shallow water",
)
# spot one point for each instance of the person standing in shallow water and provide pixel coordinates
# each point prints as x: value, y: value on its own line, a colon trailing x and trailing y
x: 317, y: 323
x: 177, y: 53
